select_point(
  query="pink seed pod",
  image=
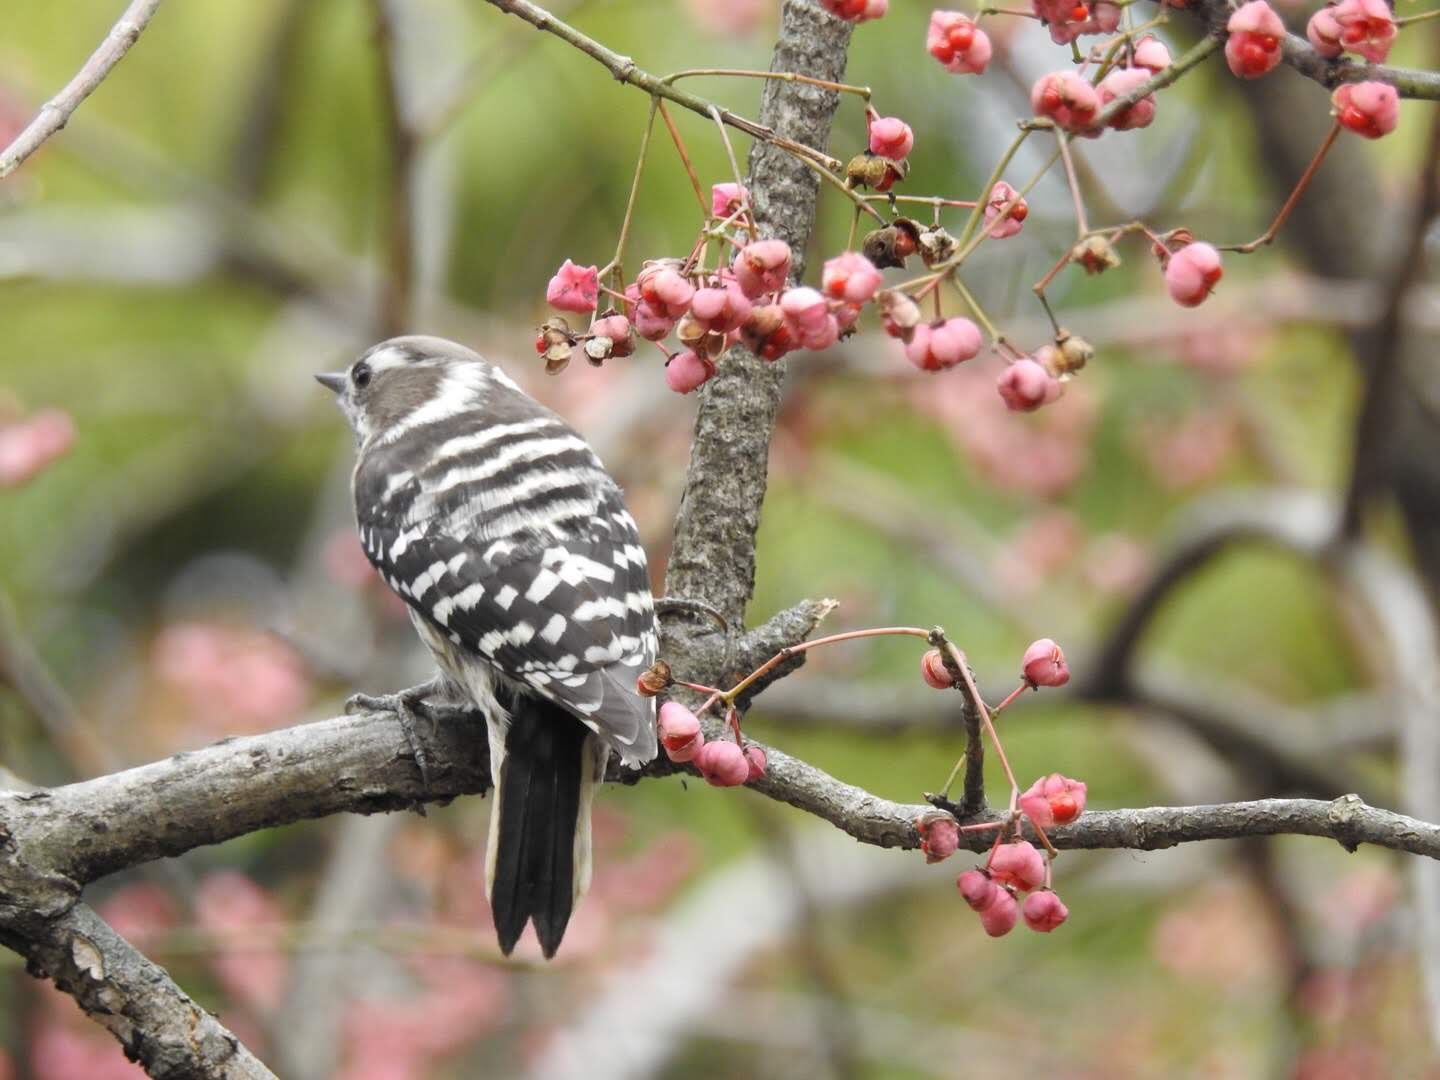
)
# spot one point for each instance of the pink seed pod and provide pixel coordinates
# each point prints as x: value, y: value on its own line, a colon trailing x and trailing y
x: 1025, y: 386
x: 1364, y: 27
x: 665, y: 289
x: 976, y: 888
x: 680, y: 732
x: 1152, y: 54
x: 1044, y: 664
x: 804, y: 308
x: 939, y: 835
x: 1371, y: 109
x: 618, y: 329
x: 1253, y: 47
x: 932, y: 670
x: 944, y: 344
x: 722, y: 764
x: 1193, y: 272
x: 720, y: 309
x: 761, y: 267
x: 856, y: 11
x: 999, y: 916
x: 851, y: 277
x: 757, y: 762
x: 726, y: 199
x: 1017, y: 863
x: 891, y: 138
x: 1121, y: 82
x: 687, y: 371
x: 1053, y: 800
x: 1065, y: 98
x: 1044, y: 911
x: 1000, y: 196
x: 959, y: 45
x: 573, y: 288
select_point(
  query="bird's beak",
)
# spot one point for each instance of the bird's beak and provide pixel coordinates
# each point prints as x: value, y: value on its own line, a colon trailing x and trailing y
x: 334, y: 381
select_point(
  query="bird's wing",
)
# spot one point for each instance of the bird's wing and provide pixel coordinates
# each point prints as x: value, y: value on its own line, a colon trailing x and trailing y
x: 570, y: 618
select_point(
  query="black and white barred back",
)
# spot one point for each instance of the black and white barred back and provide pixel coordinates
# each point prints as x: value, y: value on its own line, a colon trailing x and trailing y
x: 523, y: 571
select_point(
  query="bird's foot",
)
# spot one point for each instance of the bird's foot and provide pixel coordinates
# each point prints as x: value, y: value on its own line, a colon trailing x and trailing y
x: 408, y: 706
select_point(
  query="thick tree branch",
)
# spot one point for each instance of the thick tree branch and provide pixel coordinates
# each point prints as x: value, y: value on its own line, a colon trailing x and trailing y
x: 714, y: 554
x: 156, y: 1022
x: 56, y: 112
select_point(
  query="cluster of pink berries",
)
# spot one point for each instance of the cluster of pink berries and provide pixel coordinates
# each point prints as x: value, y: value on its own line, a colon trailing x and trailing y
x: 992, y: 890
x: 1364, y: 27
x: 1072, y: 103
x: 721, y: 762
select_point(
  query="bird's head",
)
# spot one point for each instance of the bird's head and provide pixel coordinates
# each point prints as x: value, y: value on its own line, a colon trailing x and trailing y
x: 396, y: 384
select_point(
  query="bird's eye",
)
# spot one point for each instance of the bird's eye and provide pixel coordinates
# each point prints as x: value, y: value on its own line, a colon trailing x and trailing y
x: 361, y: 375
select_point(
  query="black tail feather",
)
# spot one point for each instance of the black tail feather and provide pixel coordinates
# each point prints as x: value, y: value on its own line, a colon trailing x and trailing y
x: 539, y: 806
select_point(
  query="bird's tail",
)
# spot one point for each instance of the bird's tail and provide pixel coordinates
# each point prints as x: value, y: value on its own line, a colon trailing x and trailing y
x: 538, y: 860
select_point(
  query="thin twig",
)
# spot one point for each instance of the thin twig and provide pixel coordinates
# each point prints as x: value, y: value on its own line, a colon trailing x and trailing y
x: 56, y: 112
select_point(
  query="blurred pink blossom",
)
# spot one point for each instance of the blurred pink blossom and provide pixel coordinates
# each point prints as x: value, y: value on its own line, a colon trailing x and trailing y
x: 140, y: 911
x: 252, y: 970
x: 1219, y: 933
x: 731, y: 18
x: 28, y: 446
x: 234, y: 679
x: 1042, y: 454
x: 1190, y: 452
x: 1115, y: 563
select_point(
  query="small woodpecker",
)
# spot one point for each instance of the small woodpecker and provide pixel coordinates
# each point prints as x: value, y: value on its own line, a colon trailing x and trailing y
x: 524, y: 577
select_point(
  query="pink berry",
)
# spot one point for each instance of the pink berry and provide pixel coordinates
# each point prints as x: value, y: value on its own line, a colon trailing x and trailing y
x: 761, y: 267
x: 1026, y: 385
x: 1053, y: 800
x: 727, y: 199
x: 721, y: 309
x: 1193, y: 271
x: 851, y: 277
x: 955, y: 41
x: 1044, y: 911
x: 891, y: 138
x: 856, y: 11
x: 680, y: 732
x: 1000, y: 196
x: 1044, y: 664
x: 757, y: 762
x: 665, y: 289
x: 1151, y: 54
x: 573, y: 288
x: 1018, y: 863
x: 939, y: 835
x: 687, y: 371
x: 722, y: 763
x: 999, y: 916
x: 1253, y: 47
x: 1067, y: 99
x: 1371, y: 109
x: 932, y: 670
x: 976, y: 888
x: 617, y: 328
x: 944, y: 344
x: 1364, y: 27
x: 1120, y: 82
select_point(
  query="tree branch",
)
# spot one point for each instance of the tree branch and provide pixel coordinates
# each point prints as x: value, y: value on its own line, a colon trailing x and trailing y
x: 156, y: 1022
x: 56, y: 112
x: 1301, y: 55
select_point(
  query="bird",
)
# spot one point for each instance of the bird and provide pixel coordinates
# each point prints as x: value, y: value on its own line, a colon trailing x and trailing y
x: 524, y: 576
